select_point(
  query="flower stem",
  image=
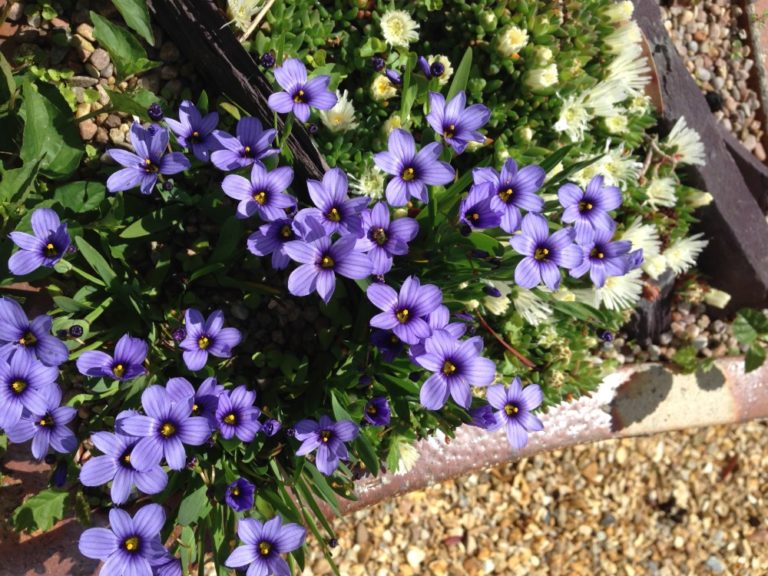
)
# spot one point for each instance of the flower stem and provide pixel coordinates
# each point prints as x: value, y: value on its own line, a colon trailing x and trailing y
x: 527, y: 363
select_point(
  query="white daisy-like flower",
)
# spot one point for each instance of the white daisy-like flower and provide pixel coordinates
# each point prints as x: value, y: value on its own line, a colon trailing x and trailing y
x: 620, y: 292
x: 655, y: 266
x: 447, y: 68
x: 242, y: 12
x: 617, y: 124
x: 408, y: 458
x: 661, y: 192
x: 629, y: 33
x: 532, y: 308
x: 392, y: 123
x: 497, y: 305
x: 681, y: 256
x: 370, y: 183
x: 382, y: 88
x: 643, y: 237
x: 341, y: 117
x: 543, y: 55
x: 639, y: 104
x: 512, y: 40
x: 545, y: 77
x: 620, y: 11
x: 630, y: 69
x: 717, y: 298
x: 685, y: 145
x: 398, y: 28
x: 604, y: 97
x: 619, y: 167
x: 574, y: 118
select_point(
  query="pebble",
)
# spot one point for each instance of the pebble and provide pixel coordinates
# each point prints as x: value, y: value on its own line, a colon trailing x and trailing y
x: 169, y: 52
x: 88, y: 129
x: 116, y: 136
x: 415, y: 557
x: 85, y: 30
x: 100, y: 59
x: 82, y: 81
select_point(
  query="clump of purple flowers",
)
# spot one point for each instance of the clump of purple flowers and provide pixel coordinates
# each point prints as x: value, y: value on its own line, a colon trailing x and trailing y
x: 48, y: 245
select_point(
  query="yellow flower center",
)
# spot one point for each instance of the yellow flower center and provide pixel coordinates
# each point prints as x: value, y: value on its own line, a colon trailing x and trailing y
x: 403, y: 315
x: 149, y: 167
x: 596, y: 253
x: 260, y: 197
x: 203, y: 342
x: 18, y: 386
x: 334, y: 215
x: 167, y: 430
x: 195, y: 409
x: 265, y: 548
x: 118, y: 370
x: 450, y: 131
x: 286, y: 231
x: 325, y: 436
x: 449, y: 368
x: 131, y: 544
x: 511, y: 409
x: 475, y: 216
x: 379, y: 235
x: 195, y: 135
x: 230, y: 419
x: 50, y: 250
x: 371, y: 409
x: 585, y: 206
x: 45, y: 422
x: 235, y: 491
x: 541, y: 253
x: 126, y: 458
x: 299, y: 97
x: 409, y: 174
x: 28, y: 339
x: 327, y: 262
x: 247, y: 152
x: 505, y: 195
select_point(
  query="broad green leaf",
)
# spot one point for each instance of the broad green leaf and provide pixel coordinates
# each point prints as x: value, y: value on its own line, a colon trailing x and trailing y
x: 136, y: 16
x: 153, y: 222
x: 96, y: 261
x: 7, y: 83
x: 754, y: 358
x: 367, y: 453
x: 41, y: 511
x: 338, y: 411
x: 372, y: 46
x: 49, y: 131
x: 461, y: 76
x: 124, y: 48
x: 321, y: 487
x: 135, y: 103
x: 80, y: 196
x: 194, y: 506
x: 743, y: 331
x: 230, y: 239
x: 16, y: 182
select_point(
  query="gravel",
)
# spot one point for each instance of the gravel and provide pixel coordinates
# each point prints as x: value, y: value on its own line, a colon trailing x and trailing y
x: 716, y: 50
x: 688, y: 502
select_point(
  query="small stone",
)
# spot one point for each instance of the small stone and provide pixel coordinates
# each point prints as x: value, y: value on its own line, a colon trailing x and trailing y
x: 703, y: 74
x: 83, y: 109
x: 169, y: 52
x: 116, y: 136
x: 759, y: 152
x: 686, y: 18
x: 750, y: 142
x: 621, y: 455
x: 86, y: 31
x: 112, y: 121
x: 88, y: 129
x: 92, y: 71
x: 100, y: 58
x: 415, y: 556
x: 102, y: 136
x: 169, y: 72
x: 699, y: 35
x: 590, y: 472
x: 83, y: 47
x: 82, y: 82
x: 715, y: 565
x: 16, y: 12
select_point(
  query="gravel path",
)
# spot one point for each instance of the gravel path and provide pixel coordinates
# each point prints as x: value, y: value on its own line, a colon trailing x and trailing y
x: 682, y: 503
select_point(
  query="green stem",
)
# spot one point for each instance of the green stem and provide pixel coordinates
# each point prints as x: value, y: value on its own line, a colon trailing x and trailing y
x: 287, y: 128
x: 85, y: 275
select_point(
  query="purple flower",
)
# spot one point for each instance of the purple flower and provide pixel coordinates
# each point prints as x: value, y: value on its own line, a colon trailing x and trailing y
x: 513, y: 190
x: 377, y: 412
x: 424, y: 66
x: 33, y: 339
x: 394, y: 76
x: 142, y: 168
x: 476, y: 211
x: 25, y: 383
x: 169, y: 566
x: 321, y: 261
x: 389, y: 345
x: 602, y: 258
x: 46, y: 426
x: 514, y: 406
x: 237, y: 416
x: 589, y: 208
x: 130, y: 354
x: 483, y: 417
x: 457, y: 365
x: 205, y: 400
x: 457, y: 125
x: 271, y: 427
x: 543, y: 253
x: 412, y: 172
x: 439, y: 319
x: 116, y: 465
x: 404, y: 313
x: 262, y: 544
x: 164, y: 430
x: 334, y: 209
x: 382, y: 239
x: 299, y: 94
x: 207, y: 337
x: 252, y: 144
x: 240, y: 495
x: 195, y: 131
x: 328, y: 438
x: 131, y: 546
x: 45, y: 248
x: 270, y: 239
x: 263, y: 193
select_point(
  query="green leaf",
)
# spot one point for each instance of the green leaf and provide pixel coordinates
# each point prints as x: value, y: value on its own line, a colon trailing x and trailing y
x: 685, y: 358
x: 136, y: 16
x: 372, y: 46
x: 555, y: 158
x: 229, y: 240
x: 124, y: 48
x: 461, y: 77
x: 41, y: 511
x: 195, y: 506
x: 97, y: 262
x: 49, y: 131
x: 7, y: 83
x: 16, y: 182
x: 321, y: 487
x: 749, y: 326
x: 338, y: 411
x: 754, y: 358
x: 135, y: 104
x: 153, y: 222
x: 367, y: 453
x: 80, y: 196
